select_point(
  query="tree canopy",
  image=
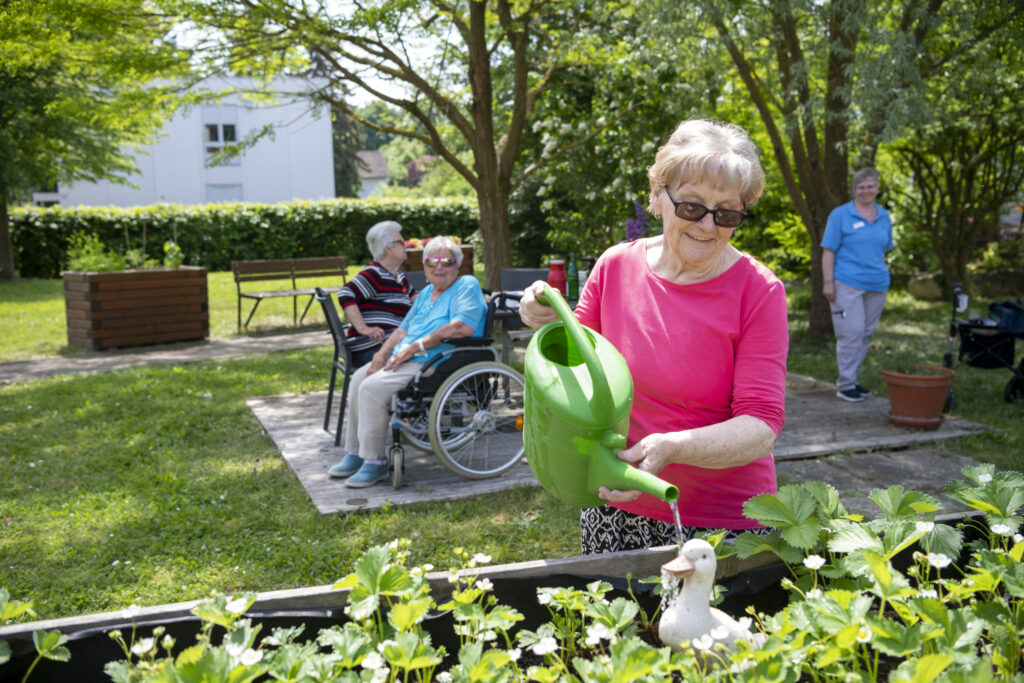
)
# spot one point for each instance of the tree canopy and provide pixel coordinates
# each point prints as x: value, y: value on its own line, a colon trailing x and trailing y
x: 78, y: 91
x: 469, y: 76
x: 832, y: 81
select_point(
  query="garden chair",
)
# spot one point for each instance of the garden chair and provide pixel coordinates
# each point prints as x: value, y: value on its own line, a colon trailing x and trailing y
x: 342, y: 362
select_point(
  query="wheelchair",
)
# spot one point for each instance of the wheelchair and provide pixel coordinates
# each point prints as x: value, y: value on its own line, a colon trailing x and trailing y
x: 464, y: 405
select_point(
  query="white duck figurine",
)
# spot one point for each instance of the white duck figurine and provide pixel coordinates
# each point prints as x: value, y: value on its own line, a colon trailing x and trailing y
x: 690, y: 616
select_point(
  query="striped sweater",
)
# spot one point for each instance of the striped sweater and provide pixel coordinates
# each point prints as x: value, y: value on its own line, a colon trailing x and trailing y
x: 383, y: 300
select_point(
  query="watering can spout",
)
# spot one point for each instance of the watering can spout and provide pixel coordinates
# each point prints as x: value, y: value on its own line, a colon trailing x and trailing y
x: 606, y: 469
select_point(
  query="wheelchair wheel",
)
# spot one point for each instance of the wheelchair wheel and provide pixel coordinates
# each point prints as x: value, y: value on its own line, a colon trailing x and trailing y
x: 415, y: 432
x: 396, y: 459
x: 1014, y: 389
x: 476, y: 420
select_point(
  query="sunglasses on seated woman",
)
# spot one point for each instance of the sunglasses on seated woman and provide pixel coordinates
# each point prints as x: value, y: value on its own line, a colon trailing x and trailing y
x: 436, y: 261
x: 692, y: 211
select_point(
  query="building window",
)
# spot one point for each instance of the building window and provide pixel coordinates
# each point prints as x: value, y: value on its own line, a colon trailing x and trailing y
x: 217, y: 135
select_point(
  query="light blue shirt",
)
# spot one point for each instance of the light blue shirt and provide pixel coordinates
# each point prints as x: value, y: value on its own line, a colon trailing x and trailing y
x: 463, y: 301
x: 859, y: 246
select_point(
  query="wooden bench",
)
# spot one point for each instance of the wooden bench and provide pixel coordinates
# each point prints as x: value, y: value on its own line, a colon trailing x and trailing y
x: 291, y: 270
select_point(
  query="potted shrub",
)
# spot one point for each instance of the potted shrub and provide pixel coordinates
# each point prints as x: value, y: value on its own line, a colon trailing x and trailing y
x: 113, y: 301
x: 917, y: 394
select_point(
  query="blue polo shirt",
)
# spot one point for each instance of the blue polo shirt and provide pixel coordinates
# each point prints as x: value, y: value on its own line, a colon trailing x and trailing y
x: 463, y: 301
x: 859, y: 246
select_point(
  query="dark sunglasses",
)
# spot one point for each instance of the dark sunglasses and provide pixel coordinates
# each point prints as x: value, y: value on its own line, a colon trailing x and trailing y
x: 438, y: 261
x: 691, y: 211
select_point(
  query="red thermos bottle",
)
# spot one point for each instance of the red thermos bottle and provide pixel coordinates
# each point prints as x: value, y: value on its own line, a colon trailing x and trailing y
x: 556, y: 276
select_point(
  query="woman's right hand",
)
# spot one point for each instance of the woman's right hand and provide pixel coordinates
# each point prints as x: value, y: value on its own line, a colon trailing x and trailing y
x: 531, y: 311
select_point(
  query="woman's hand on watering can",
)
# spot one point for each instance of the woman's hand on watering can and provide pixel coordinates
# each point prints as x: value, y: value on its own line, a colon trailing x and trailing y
x: 650, y: 454
x: 533, y: 312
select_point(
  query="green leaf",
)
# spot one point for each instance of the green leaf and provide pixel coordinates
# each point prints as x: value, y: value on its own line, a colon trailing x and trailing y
x: 50, y: 644
x: 405, y: 615
x: 850, y: 537
x: 790, y: 506
x: 119, y: 672
x: 893, y: 638
x: 944, y: 539
x: 827, y: 497
x: 748, y: 544
x: 12, y: 609
x: 923, y: 670
x: 370, y: 567
x: 896, y: 503
x: 411, y: 651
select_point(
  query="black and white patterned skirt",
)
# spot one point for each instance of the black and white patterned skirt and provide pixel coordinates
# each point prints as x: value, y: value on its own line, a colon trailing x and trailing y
x: 608, y: 529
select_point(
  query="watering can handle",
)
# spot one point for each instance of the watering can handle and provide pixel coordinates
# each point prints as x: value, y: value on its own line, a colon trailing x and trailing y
x: 601, y: 403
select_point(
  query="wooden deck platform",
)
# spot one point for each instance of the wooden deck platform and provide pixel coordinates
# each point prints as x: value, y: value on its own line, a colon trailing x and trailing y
x: 817, y: 424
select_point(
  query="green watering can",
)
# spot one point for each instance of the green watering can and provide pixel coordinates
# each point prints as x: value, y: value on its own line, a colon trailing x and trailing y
x: 578, y: 396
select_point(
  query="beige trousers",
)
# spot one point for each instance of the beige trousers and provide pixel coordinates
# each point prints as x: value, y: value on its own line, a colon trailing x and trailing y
x: 369, y: 397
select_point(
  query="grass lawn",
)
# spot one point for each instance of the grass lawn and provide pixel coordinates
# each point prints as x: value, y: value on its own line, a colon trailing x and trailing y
x: 157, y: 484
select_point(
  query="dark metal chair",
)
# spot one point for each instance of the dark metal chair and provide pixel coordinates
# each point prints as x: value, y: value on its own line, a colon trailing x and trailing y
x: 342, y: 361
x: 515, y: 280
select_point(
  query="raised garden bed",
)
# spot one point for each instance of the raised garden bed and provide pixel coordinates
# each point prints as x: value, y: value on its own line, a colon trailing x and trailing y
x: 133, y: 307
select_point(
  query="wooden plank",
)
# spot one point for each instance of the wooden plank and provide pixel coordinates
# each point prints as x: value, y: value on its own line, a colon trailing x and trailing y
x: 151, y: 338
x: 144, y: 274
x: 131, y: 313
x: 134, y: 306
x: 155, y: 322
x: 149, y: 296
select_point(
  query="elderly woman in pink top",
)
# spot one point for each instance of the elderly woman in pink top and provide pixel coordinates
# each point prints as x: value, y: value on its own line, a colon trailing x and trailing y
x: 703, y: 329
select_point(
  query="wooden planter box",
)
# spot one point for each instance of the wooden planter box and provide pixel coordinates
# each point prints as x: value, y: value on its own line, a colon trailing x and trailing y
x: 132, y: 307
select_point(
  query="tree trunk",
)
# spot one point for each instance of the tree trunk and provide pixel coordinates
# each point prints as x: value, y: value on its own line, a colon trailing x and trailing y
x: 496, y: 237
x: 6, y: 247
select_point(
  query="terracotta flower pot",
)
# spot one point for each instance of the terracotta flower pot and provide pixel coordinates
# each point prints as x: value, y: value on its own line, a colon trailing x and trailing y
x: 916, y: 397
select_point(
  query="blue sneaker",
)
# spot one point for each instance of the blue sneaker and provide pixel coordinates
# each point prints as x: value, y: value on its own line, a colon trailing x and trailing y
x: 348, y: 466
x: 862, y: 390
x: 368, y: 475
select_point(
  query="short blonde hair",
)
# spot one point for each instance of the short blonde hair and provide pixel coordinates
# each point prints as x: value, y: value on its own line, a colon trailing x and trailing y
x: 699, y: 151
x: 443, y: 242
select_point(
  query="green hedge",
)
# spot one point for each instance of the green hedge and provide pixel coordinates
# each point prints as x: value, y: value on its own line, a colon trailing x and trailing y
x: 213, y: 235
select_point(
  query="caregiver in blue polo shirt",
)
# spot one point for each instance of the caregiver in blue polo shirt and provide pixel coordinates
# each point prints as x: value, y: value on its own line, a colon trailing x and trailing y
x: 856, y: 277
x: 449, y: 306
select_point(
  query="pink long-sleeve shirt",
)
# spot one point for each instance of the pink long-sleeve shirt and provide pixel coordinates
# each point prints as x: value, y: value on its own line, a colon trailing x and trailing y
x: 699, y: 354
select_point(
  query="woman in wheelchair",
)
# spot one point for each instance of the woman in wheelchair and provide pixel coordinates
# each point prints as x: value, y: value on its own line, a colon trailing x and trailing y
x: 449, y: 306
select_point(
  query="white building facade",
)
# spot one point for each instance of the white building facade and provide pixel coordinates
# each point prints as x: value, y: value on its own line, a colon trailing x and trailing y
x: 295, y: 162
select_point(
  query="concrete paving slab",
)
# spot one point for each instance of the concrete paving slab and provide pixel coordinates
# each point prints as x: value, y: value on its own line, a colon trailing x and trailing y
x: 925, y: 468
x: 295, y: 423
x: 818, y: 423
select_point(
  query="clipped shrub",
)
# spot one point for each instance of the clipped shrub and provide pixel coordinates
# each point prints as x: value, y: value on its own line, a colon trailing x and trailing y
x: 213, y: 235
